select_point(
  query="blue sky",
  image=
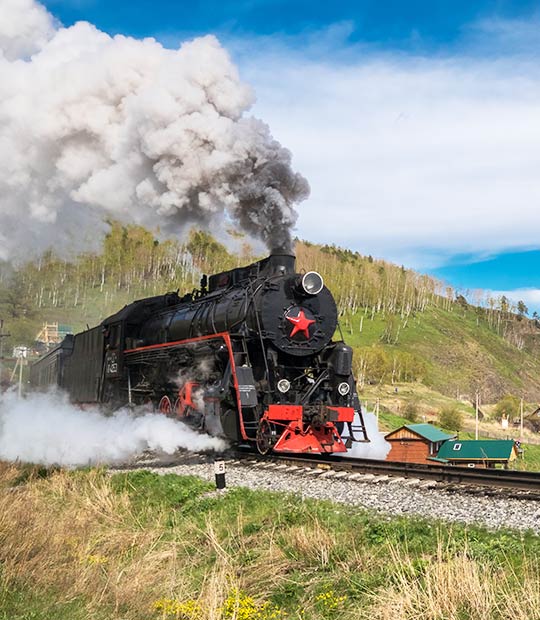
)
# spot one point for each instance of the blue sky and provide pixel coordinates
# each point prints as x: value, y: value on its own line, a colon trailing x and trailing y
x: 412, y: 24
x: 417, y: 123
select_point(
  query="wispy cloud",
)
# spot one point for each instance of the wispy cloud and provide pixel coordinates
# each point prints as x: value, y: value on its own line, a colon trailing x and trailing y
x: 495, y: 36
x: 529, y: 296
x: 412, y: 158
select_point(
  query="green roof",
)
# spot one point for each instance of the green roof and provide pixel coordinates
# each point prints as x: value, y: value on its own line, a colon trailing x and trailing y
x: 437, y: 459
x: 481, y: 449
x: 427, y: 431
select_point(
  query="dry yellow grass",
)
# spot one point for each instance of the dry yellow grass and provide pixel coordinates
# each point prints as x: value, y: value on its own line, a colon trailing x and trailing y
x: 456, y: 587
x: 78, y: 536
x: 81, y: 538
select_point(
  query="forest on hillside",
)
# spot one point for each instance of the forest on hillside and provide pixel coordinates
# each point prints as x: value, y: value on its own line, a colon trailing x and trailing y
x: 395, y: 318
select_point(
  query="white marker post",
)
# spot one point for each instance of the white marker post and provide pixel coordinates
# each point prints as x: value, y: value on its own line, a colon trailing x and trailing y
x: 219, y: 471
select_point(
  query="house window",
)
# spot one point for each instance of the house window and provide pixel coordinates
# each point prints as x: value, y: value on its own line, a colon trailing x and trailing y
x: 457, y: 446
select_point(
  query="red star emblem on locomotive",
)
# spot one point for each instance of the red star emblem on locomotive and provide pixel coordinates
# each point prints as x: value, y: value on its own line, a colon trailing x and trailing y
x: 301, y: 324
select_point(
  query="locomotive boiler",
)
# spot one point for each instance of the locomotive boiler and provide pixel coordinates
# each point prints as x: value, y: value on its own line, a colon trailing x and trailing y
x: 248, y: 356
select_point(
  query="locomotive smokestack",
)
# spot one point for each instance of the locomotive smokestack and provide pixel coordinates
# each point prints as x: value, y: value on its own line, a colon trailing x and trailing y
x: 280, y: 262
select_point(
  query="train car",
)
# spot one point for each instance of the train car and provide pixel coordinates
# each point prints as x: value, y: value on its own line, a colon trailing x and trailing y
x: 49, y: 369
x: 248, y: 356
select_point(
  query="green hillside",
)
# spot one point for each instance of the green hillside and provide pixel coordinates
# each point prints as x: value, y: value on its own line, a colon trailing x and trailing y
x: 407, y: 327
x: 404, y: 326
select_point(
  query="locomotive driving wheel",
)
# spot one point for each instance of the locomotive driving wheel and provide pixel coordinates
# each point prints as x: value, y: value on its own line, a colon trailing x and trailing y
x: 266, y: 437
x: 165, y: 405
x: 182, y: 410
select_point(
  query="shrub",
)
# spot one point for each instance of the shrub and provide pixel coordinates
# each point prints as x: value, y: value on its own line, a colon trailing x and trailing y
x: 451, y: 418
x: 410, y: 411
x: 507, y: 407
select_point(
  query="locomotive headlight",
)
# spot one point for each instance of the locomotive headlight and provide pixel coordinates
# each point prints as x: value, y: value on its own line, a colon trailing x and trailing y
x: 344, y: 388
x: 312, y: 283
x: 284, y: 386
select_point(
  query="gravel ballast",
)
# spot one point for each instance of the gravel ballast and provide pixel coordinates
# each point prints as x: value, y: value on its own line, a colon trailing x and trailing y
x: 386, y: 495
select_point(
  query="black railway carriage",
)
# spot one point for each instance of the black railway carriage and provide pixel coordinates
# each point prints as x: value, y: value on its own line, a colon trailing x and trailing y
x: 249, y: 355
x: 49, y: 370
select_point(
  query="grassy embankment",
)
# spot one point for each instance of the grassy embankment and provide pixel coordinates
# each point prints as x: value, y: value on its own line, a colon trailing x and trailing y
x: 85, y: 545
x: 458, y: 354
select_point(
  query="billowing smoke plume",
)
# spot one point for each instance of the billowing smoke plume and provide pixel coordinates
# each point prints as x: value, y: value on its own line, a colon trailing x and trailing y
x: 95, y: 127
x: 47, y: 429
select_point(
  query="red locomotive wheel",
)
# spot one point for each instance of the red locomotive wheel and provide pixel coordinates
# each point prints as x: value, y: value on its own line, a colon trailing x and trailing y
x: 165, y: 405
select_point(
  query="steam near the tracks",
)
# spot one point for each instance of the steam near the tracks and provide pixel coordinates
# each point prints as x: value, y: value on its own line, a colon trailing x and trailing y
x: 377, y: 447
x: 47, y: 429
x: 93, y: 127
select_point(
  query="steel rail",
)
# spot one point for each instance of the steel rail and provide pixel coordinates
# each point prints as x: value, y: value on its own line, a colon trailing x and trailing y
x: 451, y: 474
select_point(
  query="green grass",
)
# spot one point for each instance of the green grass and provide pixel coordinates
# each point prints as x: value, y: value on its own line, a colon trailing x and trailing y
x: 22, y: 602
x: 531, y: 458
x: 458, y: 354
x: 150, y: 492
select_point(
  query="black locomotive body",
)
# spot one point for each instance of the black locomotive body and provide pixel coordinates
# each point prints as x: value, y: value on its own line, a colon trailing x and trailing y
x: 249, y: 356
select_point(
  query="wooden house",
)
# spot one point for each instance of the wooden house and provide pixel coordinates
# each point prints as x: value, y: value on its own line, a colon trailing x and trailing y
x: 477, y: 453
x: 415, y: 443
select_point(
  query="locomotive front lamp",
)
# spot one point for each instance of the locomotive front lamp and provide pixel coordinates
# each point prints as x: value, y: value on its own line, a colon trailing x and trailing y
x: 284, y: 385
x: 312, y: 283
x: 343, y: 388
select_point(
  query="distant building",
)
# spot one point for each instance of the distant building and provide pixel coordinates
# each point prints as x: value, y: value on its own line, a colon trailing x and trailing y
x: 477, y: 453
x: 415, y: 443
x: 20, y: 352
x: 51, y: 334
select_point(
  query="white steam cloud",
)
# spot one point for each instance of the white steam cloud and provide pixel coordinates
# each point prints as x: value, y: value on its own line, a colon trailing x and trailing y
x: 47, y: 429
x: 93, y: 126
x: 377, y: 448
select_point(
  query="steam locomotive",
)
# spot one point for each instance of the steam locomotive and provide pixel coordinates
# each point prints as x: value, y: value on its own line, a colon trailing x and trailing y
x: 248, y: 356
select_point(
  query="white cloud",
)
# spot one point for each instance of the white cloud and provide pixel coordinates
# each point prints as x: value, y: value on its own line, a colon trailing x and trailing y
x: 414, y: 159
x: 530, y: 296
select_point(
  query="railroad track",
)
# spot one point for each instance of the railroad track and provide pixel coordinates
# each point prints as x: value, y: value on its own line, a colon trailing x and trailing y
x: 510, y: 483
x: 448, y: 475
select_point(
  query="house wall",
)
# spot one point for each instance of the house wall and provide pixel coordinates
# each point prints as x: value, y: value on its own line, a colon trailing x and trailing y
x: 408, y: 450
x: 478, y: 464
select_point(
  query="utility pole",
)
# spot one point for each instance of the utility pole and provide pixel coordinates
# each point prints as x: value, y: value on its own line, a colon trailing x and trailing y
x: 21, y: 354
x: 2, y: 336
x: 476, y: 418
x: 521, y: 420
x: 20, y: 376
